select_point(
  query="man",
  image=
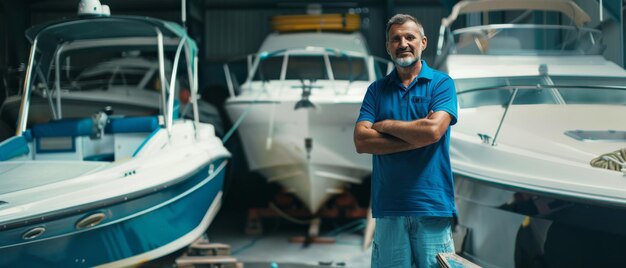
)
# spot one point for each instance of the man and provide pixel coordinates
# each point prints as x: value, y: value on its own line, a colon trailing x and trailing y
x: 404, y: 123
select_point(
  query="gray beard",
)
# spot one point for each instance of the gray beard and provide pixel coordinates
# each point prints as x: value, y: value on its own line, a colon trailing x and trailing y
x: 405, y: 62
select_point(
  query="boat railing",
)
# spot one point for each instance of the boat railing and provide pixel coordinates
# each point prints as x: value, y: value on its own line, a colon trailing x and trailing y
x: 335, y: 65
x: 558, y: 95
x: 520, y: 39
x: 44, y: 64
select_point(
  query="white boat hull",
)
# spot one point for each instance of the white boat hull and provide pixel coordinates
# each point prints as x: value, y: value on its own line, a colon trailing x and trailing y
x: 280, y: 154
x: 531, y: 178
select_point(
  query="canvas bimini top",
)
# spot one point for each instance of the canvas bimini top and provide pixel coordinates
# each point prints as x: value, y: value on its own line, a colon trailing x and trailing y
x: 567, y: 7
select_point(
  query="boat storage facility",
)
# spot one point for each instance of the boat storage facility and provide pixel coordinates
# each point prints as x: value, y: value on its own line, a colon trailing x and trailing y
x: 277, y: 133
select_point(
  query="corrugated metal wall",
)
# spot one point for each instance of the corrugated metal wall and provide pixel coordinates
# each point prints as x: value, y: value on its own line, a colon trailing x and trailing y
x: 234, y: 32
x: 231, y: 33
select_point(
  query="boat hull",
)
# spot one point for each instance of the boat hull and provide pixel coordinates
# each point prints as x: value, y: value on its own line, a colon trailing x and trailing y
x: 519, y: 197
x: 134, y: 231
x: 274, y: 137
x: 512, y: 227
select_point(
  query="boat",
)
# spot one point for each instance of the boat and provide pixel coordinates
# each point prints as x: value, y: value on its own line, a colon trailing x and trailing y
x: 107, y: 187
x: 539, y: 177
x: 296, y: 105
x: 127, y: 81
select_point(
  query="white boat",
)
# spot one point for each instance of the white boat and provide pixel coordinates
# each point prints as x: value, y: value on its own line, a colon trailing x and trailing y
x: 297, y: 107
x: 127, y: 81
x: 104, y: 189
x: 538, y: 103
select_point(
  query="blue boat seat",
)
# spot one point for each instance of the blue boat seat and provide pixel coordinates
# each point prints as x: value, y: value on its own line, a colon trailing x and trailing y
x: 132, y: 124
x: 64, y: 128
x: 13, y: 147
x: 60, y: 136
x: 84, y: 126
x: 71, y: 139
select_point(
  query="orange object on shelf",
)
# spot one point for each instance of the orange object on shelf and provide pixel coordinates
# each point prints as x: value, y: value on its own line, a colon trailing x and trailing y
x: 322, y: 22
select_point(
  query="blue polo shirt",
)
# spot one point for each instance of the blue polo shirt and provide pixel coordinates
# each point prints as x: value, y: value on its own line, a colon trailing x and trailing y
x: 416, y: 182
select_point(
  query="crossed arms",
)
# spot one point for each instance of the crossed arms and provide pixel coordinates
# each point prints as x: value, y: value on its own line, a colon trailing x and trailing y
x: 392, y: 136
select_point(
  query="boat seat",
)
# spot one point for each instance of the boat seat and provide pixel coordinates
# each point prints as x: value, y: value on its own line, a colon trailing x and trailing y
x: 61, y: 139
x: 63, y: 128
x: 13, y: 147
x: 130, y: 134
x: 70, y: 139
x: 132, y: 124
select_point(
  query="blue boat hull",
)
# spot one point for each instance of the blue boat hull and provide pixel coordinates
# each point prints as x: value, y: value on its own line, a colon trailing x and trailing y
x: 135, y: 230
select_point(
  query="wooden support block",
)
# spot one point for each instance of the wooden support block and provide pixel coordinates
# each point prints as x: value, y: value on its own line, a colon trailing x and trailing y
x: 451, y: 260
x: 210, y: 246
x: 193, y: 260
x: 209, y: 249
x: 203, y: 239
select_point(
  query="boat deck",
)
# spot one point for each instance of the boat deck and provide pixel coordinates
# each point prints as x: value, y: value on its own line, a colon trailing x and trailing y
x: 21, y: 175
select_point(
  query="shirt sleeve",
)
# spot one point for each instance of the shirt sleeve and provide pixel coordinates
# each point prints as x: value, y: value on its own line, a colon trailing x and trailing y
x: 444, y: 98
x: 368, y: 107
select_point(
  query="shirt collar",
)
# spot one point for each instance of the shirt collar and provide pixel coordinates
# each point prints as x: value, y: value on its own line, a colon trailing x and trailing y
x: 425, y: 73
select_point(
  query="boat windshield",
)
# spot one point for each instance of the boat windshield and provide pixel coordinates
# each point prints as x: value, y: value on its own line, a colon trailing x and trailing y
x: 312, y: 67
x: 310, y: 63
x: 527, y: 39
x: 85, y: 70
x: 477, y: 92
x: 120, y: 78
x: 104, y: 77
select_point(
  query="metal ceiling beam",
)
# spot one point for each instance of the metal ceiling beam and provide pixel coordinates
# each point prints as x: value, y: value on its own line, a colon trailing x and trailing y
x: 265, y: 4
x: 120, y: 5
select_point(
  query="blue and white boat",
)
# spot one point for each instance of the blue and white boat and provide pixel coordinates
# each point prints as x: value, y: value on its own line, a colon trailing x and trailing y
x: 106, y: 188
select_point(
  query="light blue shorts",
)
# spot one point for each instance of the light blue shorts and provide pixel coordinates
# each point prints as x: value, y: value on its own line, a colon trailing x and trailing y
x: 410, y: 241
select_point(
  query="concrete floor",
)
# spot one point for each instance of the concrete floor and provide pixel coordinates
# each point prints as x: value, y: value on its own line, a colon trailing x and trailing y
x: 244, y: 190
x: 273, y: 245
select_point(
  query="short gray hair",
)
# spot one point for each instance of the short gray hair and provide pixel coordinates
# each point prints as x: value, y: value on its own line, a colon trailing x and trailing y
x: 402, y: 19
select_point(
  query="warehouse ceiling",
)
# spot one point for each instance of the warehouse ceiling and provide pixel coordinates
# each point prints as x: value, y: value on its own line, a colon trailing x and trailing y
x: 62, y: 5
